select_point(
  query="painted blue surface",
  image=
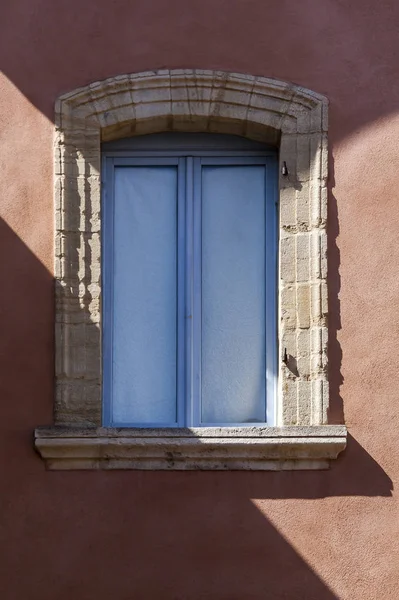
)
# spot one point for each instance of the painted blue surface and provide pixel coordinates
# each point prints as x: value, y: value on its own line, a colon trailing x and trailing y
x: 233, y: 353
x: 145, y: 295
x: 189, y: 280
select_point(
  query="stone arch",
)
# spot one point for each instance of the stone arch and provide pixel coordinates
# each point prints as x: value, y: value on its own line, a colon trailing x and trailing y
x: 262, y: 109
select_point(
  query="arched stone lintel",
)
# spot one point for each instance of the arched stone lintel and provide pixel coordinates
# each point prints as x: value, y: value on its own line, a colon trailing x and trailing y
x: 184, y: 100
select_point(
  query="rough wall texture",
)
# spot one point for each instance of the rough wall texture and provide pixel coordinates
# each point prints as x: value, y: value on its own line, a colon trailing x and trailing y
x: 331, y: 535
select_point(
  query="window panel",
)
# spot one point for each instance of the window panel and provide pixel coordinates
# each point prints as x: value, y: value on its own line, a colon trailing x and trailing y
x: 145, y: 295
x: 189, y: 331
x: 233, y: 294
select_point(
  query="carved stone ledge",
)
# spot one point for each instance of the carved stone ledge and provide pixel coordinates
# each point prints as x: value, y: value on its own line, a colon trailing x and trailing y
x: 207, y: 448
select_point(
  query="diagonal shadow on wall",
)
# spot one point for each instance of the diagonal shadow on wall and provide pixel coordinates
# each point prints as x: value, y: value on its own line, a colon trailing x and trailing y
x: 176, y: 536
x: 144, y: 535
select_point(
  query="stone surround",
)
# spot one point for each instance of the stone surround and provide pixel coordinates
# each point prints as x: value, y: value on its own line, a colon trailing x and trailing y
x: 261, y: 109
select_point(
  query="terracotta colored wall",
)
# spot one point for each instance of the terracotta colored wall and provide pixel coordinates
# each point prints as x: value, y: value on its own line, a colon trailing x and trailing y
x: 185, y: 536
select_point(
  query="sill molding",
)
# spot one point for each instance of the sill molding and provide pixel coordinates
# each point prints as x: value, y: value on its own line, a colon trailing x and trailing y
x: 205, y: 448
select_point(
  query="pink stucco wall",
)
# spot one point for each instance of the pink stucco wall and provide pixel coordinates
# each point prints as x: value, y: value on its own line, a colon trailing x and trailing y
x: 190, y: 536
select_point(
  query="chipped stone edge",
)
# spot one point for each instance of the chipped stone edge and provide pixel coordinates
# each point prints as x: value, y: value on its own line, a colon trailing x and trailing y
x: 230, y: 448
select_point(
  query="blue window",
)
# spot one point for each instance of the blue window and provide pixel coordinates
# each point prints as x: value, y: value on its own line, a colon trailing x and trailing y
x: 189, y: 279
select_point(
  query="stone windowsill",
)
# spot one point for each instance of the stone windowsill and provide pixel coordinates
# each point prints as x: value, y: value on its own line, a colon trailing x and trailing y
x: 206, y: 448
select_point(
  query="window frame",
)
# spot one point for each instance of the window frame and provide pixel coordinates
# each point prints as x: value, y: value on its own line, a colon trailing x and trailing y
x: 192, y: 100
x: 189, y: 153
